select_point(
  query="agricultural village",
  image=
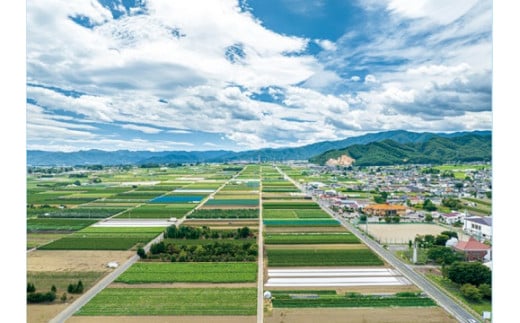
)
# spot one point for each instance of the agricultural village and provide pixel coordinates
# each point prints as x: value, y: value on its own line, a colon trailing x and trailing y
x: 259, y: 242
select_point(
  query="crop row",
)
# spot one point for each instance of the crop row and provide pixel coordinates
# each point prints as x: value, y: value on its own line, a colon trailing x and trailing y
x: 103, y: 239
x: 217, y: 272
x: 298, y: 213
x: 95, y: 213
x: 58, y: 224
x: 224, y: 214
x: 360, y: 301
x: 322, y: 257
x: 290, y: 205
x: 310, y: 238
x: 301, y: 222
x: 172, y: 301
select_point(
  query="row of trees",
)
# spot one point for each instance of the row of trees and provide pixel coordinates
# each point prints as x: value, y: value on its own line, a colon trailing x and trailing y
x: 193, y: 233
x: 208, y: 252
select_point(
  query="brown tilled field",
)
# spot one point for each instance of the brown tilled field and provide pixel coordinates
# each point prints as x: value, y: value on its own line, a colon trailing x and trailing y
x: 74, y: 260
x: 361, y: 315
x: 162, y: 319
x: 402, y: 233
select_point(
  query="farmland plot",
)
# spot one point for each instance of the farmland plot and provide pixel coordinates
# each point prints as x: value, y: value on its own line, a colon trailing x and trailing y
x: 187, y: 301
x: 216, y: 272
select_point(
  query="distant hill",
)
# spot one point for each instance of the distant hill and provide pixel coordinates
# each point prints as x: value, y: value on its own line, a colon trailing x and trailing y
x: 126, y: 157
x: 435, y: 150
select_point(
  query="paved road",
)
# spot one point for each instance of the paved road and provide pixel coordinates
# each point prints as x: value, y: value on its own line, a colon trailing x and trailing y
x: 260, y: 278
x: 452, y: 307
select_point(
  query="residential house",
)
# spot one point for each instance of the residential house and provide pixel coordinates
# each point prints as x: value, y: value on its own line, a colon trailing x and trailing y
x: 385, y: 209
x: 451, y: 218
x: 479, y: 227
x: 473, y: 249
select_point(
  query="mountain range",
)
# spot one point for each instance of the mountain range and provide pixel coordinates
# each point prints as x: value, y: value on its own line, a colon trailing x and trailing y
x: 436, y: 150
x: 390, y: 140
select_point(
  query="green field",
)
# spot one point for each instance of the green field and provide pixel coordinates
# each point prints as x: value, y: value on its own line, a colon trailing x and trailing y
x: 35, y: 225
x: 294, y: 214
x: 157, y: 211
x: 310, y: 238
x: 228, y: 272
x: 224, y: 214
x: 233, y: 202
x: 290, y: 205
x: 322, y: 257
x: 172, y: 301
x: 78, y: 212
x: 303, y: 299
x: 302, y: 222
x: 104, y: 239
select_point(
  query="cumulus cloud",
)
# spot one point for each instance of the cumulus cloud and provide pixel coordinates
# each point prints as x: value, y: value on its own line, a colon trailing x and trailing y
x: 178, y: 68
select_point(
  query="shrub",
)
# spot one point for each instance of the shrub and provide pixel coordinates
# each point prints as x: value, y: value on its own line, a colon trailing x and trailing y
x: 75, y: 289
x: 473, y: 273
x: 485, y: 291
x: 471, y: 292
x: 30, y: 288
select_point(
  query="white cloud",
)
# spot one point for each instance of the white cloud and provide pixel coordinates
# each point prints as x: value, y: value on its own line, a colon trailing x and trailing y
x: 141, y: 128
x: 369, y: 78
x: 138, y: 72
x: 438, y: 11
x: 325, y: 44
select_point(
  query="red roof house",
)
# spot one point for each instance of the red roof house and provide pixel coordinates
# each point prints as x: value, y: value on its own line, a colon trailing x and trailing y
x: 472, y: 249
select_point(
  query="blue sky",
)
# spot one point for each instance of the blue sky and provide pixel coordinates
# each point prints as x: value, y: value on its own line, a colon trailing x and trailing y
x: 205, y: 75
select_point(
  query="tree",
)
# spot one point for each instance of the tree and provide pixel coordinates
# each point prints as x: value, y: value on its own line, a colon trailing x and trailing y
x: 363, y: 218
x: 428, y: 205
x: 473, y: 273
x: 141, y: 253
x: 471, y: 292
x: 63, y: 297
x: 441, y: 239
x: 79, y: 287
x: 243, y: 232
x: 30, y: 288
x: 443, y: 255
x: 451, y: 234
x: 428, y: 218
x: 396, y: 219
x: 53, y: 289
x: 388, y: 219
x: 452, y: 203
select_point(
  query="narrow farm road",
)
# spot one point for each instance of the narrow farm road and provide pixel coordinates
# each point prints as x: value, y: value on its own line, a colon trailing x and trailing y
x: 443, y: 300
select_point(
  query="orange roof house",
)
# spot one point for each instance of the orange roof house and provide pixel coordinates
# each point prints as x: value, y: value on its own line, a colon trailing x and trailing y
x: 472, y: 249
x: 385, y: 209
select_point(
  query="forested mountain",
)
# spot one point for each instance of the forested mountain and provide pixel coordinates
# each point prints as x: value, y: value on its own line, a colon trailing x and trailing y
x: 436, y: 150
x: 126, y: 157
